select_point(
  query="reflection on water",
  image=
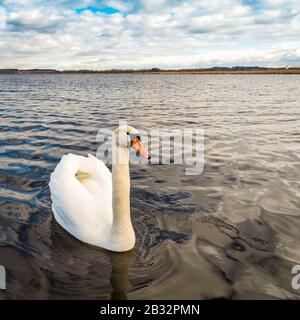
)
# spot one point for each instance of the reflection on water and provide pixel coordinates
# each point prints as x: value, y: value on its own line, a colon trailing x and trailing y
x: 120, y: 264
x: 232, y: 232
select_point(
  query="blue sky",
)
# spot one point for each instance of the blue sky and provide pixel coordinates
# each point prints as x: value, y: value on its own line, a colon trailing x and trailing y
x: 105, y: 9
x: 105, y: 34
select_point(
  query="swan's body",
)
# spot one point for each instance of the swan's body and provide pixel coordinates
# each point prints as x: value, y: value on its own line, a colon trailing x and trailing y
x: 93, y: 204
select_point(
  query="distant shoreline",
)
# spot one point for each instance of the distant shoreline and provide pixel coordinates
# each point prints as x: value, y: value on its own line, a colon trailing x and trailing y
x: 236, y: 70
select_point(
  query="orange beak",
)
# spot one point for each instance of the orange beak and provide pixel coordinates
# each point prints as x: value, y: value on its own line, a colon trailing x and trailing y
x: 136, y: 144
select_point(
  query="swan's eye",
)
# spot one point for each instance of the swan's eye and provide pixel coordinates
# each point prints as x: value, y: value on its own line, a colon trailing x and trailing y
x: 127, y: 133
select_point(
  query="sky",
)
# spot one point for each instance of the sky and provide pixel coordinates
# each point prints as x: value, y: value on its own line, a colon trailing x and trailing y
x: 114, y: 34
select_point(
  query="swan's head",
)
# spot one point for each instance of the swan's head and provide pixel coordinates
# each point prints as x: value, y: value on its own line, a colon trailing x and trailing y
x: 128, y: 137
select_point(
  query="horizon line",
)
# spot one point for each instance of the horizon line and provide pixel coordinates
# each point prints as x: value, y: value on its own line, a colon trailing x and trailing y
x: 153, y: 69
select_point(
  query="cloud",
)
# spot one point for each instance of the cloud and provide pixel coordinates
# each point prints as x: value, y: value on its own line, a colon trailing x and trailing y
x: 2, y: 18
x: 119, y: 5
x: 148, y: 33
x: 40, y: 21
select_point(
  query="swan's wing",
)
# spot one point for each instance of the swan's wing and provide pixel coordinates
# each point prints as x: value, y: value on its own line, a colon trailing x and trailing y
x: 83, y: 208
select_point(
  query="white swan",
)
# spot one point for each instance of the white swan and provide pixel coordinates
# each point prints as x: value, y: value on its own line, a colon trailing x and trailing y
x: 91, y: 203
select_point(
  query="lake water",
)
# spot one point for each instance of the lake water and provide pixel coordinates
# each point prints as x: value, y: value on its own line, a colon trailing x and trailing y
x: 231, y: 232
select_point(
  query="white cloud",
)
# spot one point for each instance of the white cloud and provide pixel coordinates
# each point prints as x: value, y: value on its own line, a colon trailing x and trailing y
x: 33, y: 19
x: 119, y: 5
x: 152, y: 5
x: 194, y: 33
x: 2, y: 18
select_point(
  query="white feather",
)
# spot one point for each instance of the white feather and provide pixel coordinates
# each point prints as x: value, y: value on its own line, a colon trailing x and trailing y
x: 83, y: 207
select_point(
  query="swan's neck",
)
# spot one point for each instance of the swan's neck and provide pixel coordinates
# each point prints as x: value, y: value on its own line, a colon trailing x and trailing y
x: 121, y: 232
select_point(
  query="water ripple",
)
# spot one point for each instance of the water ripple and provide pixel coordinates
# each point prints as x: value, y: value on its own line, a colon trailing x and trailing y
x: 231, y: 232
